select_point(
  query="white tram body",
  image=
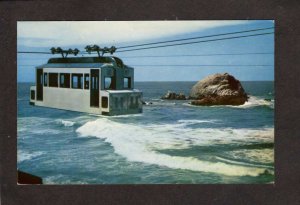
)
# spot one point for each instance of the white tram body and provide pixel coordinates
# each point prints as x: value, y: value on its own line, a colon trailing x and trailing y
x: 98, y: 85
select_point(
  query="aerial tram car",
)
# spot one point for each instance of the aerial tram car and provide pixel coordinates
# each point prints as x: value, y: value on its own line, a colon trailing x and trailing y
x: 99, y: 85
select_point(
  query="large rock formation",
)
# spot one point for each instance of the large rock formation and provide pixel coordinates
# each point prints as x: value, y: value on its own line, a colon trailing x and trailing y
x: 218, y: 89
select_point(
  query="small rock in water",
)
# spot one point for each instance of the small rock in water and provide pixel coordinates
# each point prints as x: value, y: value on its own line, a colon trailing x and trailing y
x: 174, y: 96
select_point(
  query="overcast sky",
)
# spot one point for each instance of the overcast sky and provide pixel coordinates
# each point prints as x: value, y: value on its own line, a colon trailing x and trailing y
x: 41, y: 36
x: 68, y: 33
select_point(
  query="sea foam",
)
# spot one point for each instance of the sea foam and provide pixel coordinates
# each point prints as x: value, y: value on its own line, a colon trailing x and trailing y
x: 67, y: 123
x: 255, y: 101
x: 252, y: 102
x: 190, y: 122
x: 140, y: 143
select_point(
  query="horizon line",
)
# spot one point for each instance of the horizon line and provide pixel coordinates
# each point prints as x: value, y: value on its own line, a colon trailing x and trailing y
x: 173, y: 81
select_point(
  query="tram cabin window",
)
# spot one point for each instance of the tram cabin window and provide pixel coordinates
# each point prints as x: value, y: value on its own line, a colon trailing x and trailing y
x: 77, y: 81
x: 64, y: 80
x: 45, y: 79
x: 53, y: 80
x: 127, y: 82
x: 107, y: 83
x: 86, y: 81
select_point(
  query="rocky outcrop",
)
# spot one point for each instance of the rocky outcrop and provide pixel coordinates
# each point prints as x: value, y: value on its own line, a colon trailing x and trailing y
x: 26, y: 178
x: 173, y: 96
x: 218, y: 89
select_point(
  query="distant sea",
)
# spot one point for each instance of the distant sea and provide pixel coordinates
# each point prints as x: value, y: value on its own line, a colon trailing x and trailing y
x: 170, y: 142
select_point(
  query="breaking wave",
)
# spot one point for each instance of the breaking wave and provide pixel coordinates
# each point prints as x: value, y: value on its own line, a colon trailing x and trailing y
x: 66, y: 123
x: 255, y: 155
x: 140, y: 143
x: 25, y: 155
x: 29, y: 126
x: 242, y: 163
x: 255, y: 101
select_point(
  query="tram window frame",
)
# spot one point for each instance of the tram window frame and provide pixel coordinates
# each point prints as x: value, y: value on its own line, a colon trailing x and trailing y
x: 45, y: 79
x: 116, y: 101
x: 94, y: 83
x: 121, y: 102
x: 104, y: 102
x: 32, y: 94
x: 66, y: 80
x: 132, y: 105
x: 53, y: 80
x: 86, y: 81
x: 79, y: 81
x: 136, y: 101
x: 105, y: 84
x: 127, y: 85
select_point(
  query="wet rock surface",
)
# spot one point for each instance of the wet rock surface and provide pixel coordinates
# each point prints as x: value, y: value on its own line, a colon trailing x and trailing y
x: 218, y: 89
x: 174, y: 96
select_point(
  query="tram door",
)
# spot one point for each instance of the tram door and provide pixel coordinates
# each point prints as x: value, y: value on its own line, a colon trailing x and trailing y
x: 94, y: 98
x: 39, y: 84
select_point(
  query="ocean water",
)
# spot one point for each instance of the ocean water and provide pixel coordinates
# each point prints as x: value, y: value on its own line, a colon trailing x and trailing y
x: 170, y: 142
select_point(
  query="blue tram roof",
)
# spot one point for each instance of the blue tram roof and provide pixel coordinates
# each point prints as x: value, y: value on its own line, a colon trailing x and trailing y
x: 81, y: 62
